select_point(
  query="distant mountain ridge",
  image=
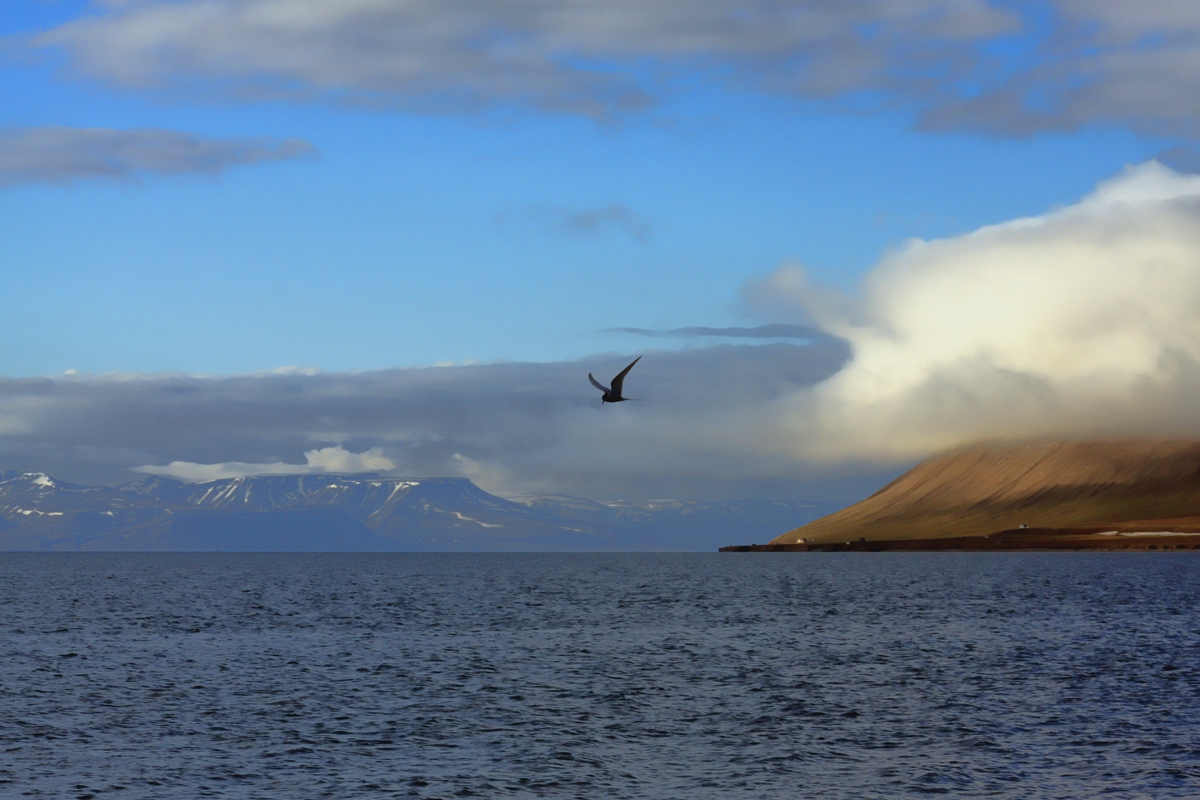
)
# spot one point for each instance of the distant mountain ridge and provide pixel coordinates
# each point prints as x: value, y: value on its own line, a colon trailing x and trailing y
x: 360, y: 512
x: 1148, y: 485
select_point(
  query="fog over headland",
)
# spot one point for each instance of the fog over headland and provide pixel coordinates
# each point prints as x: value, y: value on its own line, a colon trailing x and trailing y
x: 1084, y: 321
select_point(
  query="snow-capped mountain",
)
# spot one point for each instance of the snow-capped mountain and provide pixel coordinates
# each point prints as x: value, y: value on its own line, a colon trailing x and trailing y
x: 364, y: 512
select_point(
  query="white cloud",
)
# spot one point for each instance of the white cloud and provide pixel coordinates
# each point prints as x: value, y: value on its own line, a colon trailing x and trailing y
x: 338, y: 459
x: 1083, y: 321
x: 579, y: 56
x: 495, y: 478
x: 960, y: 64
x: 1121, y: 63
x: 1010, y: 69
x: 323, y: 460
x: 62, y: 155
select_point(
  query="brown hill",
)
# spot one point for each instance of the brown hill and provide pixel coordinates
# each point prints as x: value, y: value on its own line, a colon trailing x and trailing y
x: 981, y: 489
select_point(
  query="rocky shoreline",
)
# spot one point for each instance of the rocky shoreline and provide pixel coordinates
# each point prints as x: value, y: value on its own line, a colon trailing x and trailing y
x: 1021, y: 539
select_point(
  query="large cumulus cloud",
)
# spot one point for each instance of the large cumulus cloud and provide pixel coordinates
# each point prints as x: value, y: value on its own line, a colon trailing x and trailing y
x: 1084, y: 321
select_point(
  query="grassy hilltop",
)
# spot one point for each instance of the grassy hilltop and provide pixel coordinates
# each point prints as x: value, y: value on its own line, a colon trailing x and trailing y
x: 1135, y: 485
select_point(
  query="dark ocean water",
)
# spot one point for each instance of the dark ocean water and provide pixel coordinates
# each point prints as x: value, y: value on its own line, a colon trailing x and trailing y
x: 821, y: 675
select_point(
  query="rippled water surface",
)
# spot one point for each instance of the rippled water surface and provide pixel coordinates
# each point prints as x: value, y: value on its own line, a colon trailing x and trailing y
x: 824, y: 675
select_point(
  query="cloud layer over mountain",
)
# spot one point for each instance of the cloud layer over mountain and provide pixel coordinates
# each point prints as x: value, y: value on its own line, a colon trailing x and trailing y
x: 335, y: 459
x: 1083, y: 321
x: 706, y: 430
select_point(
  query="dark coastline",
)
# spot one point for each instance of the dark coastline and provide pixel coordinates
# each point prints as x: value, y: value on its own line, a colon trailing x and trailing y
x: 1025, y: 539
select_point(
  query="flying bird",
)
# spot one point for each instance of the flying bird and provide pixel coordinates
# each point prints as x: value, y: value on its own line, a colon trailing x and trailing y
x: 613, y: 395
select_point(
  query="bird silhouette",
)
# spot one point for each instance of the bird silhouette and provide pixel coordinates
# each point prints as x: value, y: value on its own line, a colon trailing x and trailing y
x: 613, y: 395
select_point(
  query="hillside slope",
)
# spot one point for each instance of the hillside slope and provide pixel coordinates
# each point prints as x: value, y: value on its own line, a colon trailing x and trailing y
x: 982, y: 489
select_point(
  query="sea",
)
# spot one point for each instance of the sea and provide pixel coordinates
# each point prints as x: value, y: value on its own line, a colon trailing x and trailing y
x: 750, y: 675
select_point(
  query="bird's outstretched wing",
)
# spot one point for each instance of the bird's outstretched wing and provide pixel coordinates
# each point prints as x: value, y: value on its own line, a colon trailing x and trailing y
x: 619, y: 381
x: 597, y: 384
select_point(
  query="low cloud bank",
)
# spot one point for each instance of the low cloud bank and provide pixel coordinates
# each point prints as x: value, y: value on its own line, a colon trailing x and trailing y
x: 1084, y: 321
x: 323, y: 460
x: 60, y: 155
x: 707, y: 429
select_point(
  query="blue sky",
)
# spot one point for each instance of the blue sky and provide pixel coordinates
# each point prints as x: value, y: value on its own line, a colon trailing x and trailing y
x: 228, y: 188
